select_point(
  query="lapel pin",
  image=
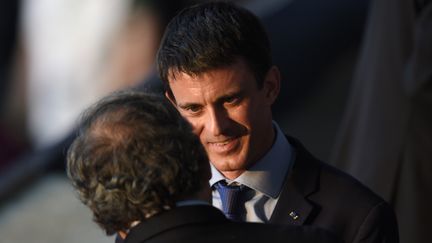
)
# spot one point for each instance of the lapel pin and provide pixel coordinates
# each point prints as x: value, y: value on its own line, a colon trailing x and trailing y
x: 294, y: 215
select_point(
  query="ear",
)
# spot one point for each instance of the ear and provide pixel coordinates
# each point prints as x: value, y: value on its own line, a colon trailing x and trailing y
x: 169, y: 95
x: 271, y: 84
x: 122, y: 234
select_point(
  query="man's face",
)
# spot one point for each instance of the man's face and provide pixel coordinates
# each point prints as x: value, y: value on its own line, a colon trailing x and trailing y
x: 229, y: 113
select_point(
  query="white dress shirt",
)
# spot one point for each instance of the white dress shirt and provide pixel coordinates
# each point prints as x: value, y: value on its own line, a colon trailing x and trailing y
x: 265, y: 178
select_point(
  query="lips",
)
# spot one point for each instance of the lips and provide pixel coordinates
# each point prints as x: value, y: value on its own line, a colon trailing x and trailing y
x: 223, y: 146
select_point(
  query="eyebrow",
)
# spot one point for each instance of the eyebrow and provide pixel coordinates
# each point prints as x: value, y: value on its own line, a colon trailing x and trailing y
x: 222, y: 98
x: 189, y: 104
x: 230, y: 95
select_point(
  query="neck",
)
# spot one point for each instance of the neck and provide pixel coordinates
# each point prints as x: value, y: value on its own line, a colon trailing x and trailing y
x: 232, y: 175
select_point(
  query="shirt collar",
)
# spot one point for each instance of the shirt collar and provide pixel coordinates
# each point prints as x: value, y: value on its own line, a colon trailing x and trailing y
x: 268, y: 174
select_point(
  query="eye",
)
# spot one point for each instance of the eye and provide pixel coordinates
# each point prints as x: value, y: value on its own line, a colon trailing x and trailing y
x: 231, y: 99
x: 193, y: 109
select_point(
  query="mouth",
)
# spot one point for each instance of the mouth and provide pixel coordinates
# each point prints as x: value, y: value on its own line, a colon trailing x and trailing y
x: 223, y: 146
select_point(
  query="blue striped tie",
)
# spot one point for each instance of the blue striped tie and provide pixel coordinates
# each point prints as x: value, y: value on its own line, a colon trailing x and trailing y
x: 233, y: 200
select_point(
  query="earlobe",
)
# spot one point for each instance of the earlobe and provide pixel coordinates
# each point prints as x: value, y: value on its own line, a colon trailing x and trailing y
x: 122, y: 234
x: 272, y: 84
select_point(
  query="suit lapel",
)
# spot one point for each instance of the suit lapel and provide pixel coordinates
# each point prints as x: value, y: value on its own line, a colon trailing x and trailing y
x: 294, y: 207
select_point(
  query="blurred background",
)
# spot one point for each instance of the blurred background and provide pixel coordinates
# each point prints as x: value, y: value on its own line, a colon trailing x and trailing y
x: 350, y: 72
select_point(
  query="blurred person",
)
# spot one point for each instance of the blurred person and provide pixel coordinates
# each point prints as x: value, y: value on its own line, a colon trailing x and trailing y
x: 143, y: 173
x: 215, y: 61
x: 78, y: 51
x: 74, y: 52
x: 134, y: 54
x: 66, y: 45
x: 386, y: 135
x: 62, y: 49
x: 69, y: 54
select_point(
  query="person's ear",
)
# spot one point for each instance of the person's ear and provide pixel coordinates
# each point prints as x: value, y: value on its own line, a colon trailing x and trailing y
x: 271, y: 84
x: 122, y: 234
x: 169, y: 95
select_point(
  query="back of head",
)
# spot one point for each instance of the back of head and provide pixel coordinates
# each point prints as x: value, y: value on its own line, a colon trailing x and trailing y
x: 134, y: 157
x: 213, y: 35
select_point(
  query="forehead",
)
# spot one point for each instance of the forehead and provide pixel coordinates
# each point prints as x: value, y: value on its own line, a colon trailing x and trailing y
x: 229, y: 77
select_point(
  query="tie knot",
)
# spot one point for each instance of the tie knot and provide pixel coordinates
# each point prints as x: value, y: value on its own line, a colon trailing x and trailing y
x: 233, y: 198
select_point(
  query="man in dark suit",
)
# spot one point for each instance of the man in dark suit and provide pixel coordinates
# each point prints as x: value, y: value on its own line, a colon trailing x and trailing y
x: 215, y: 61
x: 138, y: 166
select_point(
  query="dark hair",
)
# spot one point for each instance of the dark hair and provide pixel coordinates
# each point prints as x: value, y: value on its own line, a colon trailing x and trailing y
x: 212, y: 35
x: 134, y: 157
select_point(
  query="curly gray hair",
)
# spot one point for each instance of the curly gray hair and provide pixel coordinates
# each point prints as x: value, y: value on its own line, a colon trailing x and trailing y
x: 134, y: 157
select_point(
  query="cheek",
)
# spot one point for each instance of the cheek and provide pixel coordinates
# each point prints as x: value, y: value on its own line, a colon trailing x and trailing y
x: 197, y: 127
x: 256, y: 119
x: 246, y: 115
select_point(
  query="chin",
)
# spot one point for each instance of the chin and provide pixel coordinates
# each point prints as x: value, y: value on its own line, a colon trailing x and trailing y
x: 229, y: 165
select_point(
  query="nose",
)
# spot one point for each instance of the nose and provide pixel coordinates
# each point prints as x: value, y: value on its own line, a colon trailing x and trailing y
x: 218, y: 122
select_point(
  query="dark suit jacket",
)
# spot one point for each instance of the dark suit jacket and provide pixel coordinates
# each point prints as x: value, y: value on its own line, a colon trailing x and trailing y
x: 320, y: 195
x: 206, y: 224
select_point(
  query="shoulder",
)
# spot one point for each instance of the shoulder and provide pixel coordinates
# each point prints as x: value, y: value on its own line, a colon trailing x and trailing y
x: 328, y: 181
x: 340, y: 185
x: 340, y: 202
x: 368, y: 215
